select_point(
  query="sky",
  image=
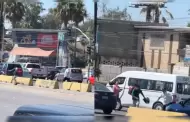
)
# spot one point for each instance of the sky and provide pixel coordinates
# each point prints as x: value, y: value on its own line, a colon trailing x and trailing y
x: 179, y: 9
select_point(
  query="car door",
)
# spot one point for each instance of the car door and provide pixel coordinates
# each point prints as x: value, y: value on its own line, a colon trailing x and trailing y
x: 186, y: 107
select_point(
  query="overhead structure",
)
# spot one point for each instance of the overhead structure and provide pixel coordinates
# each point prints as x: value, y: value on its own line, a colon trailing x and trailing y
x: 143, y: 3
x: 31, y: 52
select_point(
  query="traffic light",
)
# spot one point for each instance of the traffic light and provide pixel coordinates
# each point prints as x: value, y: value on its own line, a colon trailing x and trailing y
x: 89, y: 50
x: 69, y: 32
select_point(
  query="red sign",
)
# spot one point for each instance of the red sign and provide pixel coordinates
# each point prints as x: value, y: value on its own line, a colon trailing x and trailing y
x: 47, y: 40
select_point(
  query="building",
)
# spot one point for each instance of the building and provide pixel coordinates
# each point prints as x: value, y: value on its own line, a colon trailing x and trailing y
x: 139, y: 44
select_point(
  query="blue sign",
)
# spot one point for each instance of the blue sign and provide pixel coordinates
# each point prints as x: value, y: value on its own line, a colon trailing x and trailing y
x: 26, y: 38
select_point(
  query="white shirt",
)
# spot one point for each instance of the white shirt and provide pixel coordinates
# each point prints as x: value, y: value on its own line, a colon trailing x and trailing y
x: 167, y: 97
x: 66, y: 73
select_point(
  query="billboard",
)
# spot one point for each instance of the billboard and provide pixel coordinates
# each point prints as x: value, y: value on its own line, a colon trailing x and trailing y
x: 148, y: 1
x: 26, y: 39
x: 47, y: 40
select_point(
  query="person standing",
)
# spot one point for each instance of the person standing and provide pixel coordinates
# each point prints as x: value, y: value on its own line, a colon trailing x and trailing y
x: 167, y: 98
x: 14, y: 71
x: 116, y: 91
x: 91, y: 79
x: 135, y: 95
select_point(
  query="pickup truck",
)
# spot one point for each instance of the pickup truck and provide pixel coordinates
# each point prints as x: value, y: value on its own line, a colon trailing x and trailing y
x: 40, y: 73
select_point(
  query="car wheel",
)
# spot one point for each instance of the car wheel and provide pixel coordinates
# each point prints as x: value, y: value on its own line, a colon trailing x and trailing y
x: 158, y: 106
x: 118, y: 106
x: 107, y: 111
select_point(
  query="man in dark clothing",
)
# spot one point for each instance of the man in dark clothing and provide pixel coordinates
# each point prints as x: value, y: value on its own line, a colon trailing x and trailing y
x: 135, y: 95
x: 14, y: 71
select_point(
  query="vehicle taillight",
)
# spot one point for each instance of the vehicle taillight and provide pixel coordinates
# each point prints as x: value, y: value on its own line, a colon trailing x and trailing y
x: 19, y: 71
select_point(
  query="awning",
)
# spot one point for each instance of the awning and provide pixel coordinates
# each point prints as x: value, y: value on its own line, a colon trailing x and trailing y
x: 31, y: 52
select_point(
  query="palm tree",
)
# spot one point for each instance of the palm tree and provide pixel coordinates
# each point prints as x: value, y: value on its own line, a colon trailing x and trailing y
x: 153, y: 14
x: 70, y: 11
x: 14, y: 11
x: 79, y: 13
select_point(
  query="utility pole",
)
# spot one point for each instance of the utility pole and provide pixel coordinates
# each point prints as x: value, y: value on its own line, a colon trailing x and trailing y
x: 95, y: 33
x: 2, y: 27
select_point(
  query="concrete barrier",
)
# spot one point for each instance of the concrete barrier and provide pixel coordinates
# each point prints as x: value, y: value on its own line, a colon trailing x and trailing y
x: 74, y: 86
x: 67, y: 85
x: 25, y: 81
x: 5, y: 78
x: 47, y: 84
x: 132, y: 111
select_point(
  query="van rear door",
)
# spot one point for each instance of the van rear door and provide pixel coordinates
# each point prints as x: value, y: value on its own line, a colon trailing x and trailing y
x: 183, y: 87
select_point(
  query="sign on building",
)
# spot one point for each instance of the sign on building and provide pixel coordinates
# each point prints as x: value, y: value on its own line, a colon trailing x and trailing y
x: 157, y: 41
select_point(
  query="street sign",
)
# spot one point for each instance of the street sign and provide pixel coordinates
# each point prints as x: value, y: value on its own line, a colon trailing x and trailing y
x: 61, y: 36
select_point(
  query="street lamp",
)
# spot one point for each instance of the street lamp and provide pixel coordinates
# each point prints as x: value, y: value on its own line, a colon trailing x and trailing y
x: 89, y: 45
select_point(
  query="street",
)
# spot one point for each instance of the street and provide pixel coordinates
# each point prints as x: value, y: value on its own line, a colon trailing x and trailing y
x: 119, y: 116
x: 12, y: 97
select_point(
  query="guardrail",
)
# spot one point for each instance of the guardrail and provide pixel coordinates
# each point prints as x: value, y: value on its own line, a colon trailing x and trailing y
x: 51, y: 84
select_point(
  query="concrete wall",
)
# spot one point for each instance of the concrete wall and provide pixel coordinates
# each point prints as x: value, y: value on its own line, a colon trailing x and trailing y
x: 150, y: 62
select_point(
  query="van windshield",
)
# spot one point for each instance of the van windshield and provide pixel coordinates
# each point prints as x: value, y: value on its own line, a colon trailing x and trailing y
x: 183, y: 88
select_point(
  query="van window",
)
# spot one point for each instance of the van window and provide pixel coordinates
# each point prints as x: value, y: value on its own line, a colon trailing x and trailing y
x: 32, y: 66
x: 120, y: 80
x: 151, y: 84
x: 183, y: 88
x: 76, y: 71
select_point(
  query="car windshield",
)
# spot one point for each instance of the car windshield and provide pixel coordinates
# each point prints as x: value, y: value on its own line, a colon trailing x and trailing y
x: 101, y: 87
x: 62, y: 70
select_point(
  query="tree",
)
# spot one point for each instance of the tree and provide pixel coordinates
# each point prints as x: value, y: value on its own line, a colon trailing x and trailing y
x: 115, y: 14
x: 79, y: 13
x: 154, y: 12
x: 70, y: 11
x: 14, y: 11
x: 50, y: 21
x: 32, y: 17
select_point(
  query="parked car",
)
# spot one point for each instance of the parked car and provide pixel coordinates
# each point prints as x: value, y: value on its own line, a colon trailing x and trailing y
x: 40, y: 73
x: 51, y: 74
x: 31, y: 66
x: 60, y: 68
x: 104, y: 98
x: 85, y: 74
x: 181, y: 107
x: 74, y: 74
x: 7, y: 67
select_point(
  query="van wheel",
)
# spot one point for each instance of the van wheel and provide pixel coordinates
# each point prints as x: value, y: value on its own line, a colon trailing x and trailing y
x: 107, y: 111
x: 158, y: 106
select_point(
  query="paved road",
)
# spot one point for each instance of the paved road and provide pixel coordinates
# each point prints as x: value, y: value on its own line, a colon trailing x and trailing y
x: 11, y: 97
x: 119, y: 116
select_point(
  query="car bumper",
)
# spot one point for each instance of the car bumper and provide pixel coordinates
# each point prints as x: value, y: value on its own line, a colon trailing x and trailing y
x: 99, y: 104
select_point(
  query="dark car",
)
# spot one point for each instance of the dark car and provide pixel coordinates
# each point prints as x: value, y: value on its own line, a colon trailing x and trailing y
x: 104, y: 98
x: 7, y: 69
x: 181, y: 107
x: 51, y: 74
x: 53, y: 113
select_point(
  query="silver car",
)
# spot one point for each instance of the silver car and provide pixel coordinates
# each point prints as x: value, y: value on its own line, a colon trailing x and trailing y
x: 74, y: 74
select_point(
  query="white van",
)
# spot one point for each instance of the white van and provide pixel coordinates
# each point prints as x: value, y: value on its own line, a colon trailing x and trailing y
x: 151, y: 84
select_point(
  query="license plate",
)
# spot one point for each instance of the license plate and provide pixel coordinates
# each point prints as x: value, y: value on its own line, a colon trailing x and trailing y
x: 104, y: 97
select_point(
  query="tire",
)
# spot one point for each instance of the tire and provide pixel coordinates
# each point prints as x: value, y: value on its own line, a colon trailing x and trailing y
x: 79, y: 81
x: 107, y: 111
x: 118, y: 106
x: 158, y: 106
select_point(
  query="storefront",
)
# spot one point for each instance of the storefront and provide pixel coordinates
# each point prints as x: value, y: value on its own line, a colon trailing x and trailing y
x: 36, y: 43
